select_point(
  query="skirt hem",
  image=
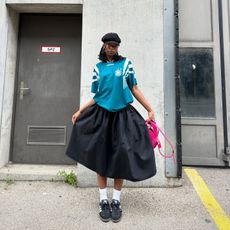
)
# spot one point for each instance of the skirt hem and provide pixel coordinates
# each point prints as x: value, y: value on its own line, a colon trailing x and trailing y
x: 109, y: 176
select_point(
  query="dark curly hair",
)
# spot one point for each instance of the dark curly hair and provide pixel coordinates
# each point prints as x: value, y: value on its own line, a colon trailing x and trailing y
x: 103, y: 58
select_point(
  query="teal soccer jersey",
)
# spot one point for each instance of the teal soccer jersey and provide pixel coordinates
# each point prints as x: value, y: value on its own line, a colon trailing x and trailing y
x: 112, y: 83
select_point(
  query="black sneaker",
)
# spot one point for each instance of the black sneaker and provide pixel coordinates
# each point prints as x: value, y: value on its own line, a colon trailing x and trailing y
x: 116, y: 210
x: 104, y: 210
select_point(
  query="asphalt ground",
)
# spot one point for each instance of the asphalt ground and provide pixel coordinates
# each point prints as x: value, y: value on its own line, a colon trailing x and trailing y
x: 46, y: 205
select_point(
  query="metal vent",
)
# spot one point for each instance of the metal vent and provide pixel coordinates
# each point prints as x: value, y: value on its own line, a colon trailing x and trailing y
x: 46, y: 135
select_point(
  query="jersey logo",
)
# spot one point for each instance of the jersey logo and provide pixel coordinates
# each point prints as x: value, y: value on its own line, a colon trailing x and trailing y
x: 118, y: 73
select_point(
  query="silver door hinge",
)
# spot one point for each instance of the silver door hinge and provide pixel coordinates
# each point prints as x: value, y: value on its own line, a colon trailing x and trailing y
x: 227, y: 150
x: 226, y: 154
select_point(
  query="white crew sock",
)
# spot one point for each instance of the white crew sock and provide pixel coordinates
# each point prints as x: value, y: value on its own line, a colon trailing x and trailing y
x: 116, y: 194
x: 103, y: 194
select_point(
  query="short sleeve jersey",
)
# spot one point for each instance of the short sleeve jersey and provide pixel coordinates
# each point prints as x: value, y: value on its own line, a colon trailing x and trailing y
x: 112, y: 83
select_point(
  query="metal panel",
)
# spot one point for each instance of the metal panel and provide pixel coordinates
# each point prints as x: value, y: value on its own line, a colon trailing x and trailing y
x: 202, y: 120
x: 202, y: 136
x: 172, y: 170
x: 47, y: 88
x: 195, y: 20
x: 46, y: 135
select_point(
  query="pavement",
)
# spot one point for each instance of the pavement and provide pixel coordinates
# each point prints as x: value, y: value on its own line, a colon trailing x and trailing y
x: 48, y: 205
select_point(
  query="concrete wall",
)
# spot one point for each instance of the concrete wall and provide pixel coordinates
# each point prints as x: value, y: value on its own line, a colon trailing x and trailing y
x: 4, y: 25
x: 140, y: 26
x: 8, y: 79
x: 46, y: 6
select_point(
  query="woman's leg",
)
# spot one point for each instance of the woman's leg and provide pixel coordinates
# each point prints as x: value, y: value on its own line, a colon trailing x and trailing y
x: 118, y: 184
x: 116, y: 211
x: 104, y: 207
x: 117, y: 189
x: 102, y: 181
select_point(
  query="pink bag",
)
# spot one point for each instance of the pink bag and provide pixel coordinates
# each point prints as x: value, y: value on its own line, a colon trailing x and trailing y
x: 153, y: 133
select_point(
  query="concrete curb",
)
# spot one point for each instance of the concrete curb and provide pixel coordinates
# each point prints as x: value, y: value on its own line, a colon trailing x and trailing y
x: 40, y: 172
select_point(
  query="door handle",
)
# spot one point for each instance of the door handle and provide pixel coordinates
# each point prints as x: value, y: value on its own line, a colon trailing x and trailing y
x: 23, y: 90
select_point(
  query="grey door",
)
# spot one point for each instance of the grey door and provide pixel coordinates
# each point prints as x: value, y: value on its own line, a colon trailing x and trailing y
x: 201, y: 89
x: 226, y: 47
x: 48, y: 86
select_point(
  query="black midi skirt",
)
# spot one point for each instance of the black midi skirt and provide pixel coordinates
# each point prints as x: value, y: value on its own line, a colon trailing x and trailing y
x: 113, y: 144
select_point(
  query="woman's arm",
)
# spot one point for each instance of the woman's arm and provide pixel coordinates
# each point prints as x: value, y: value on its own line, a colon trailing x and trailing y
x: 85, y: 106
x: 140, y: 97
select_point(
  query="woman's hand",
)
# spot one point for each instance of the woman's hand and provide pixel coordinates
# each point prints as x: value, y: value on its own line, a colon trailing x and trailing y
x: 151, y: 116
x: 75, y: 116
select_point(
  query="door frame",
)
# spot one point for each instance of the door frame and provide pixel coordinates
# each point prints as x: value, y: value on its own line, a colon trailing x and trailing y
x: 17, y: 105
x: 224, y: 18
x: 218, y: 120
x: 8, y: 106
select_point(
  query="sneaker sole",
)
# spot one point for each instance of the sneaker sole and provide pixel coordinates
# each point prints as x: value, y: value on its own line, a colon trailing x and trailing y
x: 104, y: 220
x: 115, y: 221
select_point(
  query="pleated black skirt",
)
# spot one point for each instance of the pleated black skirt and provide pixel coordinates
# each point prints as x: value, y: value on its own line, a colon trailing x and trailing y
x: 113, y: 144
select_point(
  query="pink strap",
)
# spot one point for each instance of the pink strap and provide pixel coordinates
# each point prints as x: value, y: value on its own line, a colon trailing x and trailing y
x: 172, y: 155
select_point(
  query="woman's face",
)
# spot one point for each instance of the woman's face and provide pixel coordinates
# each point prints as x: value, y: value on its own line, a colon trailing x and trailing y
x: 110, y: 49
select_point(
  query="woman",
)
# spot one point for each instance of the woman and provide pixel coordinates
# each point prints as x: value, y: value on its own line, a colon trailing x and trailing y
x: 109, y: 136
